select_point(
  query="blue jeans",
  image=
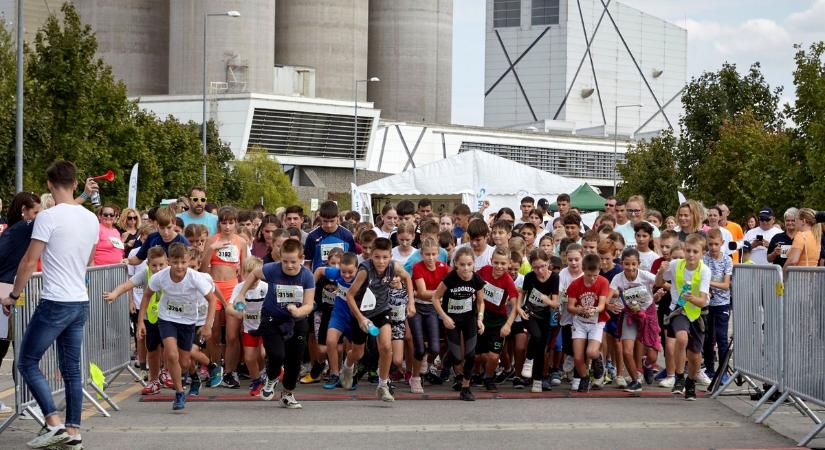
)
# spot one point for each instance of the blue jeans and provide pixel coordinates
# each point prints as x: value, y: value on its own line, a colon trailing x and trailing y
x: 62, y: 322
x: 716, y: 334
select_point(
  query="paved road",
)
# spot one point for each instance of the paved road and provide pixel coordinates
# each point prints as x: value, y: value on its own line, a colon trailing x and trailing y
x: 554, y: 422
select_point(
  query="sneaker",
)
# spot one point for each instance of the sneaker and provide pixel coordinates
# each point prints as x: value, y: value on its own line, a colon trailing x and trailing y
x: 5, y: 409
x: 527, y: 368
x: 608, y: 378
x: 584, y: 384
x: 519, y: 383
x: 346, y: 377
x: 268, y: 389
x: 415, y: 385
x: 597, y: 383
x: 383, y: 394
x: 230, y: 380
x: 151, y: 389
x: 255, y: 387
x: 490, y: 385
x: 598, y: 368
x: 49, y: 437
x: 215, y: 376
x: 74, y: 443
x: 288, y: 401
x: 195, y: 387
x: 476, y: 380
x: 502, y: 376
x: 434, y: 378
x: 703, y: 378
x: 725, y: 378
x: 144, y: 375
x: 667, y: 382
x: 678, y: 385
x: 621, y: 382
x: 569, y: 364
x: 445, y: 374
x: 661, y: 375
x: 555, y: 377
x: 574, y: 385
x: 203, y: 373
x: 180, y: 401
x: 690, y: 389
x: 309, y: 379
x: 611, y: 369
x: 635, y: 386
x: 457, y: 381
x: 547, y: 384
x: 537, y: 387
x: 466, y: 395
x: 372, y: 377
x: 648, y: 374
x: 166, y: 379
x: 333, y: 382
x: 391, y: 387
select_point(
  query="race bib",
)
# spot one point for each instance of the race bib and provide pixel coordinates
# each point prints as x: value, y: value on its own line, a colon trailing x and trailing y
x: 326, y: 248
x: 252, y: 315
x: 179, y: 309
x: 492, y: 294
x: 460, y: 305
x: 368, y: 302
x: 116, y: 242
x: 398, y: 313
x: 563, y: 296
x: 637, y: 295
x: 535, y: 298
x: 203, y: 309
x: 328, y: 297
x: 783, y: 252
x: 229, y: 254
x: 342, y: 291
x: 289, y: 294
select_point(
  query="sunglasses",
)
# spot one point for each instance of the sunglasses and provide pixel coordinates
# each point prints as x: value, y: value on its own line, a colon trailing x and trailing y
x: 186, y: 208
x: 107, y: 215
x: 609, y: 205
x: 198, y: 199
x: 764, y: 219
x: 131, y: 218
x: 634, y: 211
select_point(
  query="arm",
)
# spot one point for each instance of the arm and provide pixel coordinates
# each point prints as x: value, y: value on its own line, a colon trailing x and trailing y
x: 480, y: 306
x: 422, y: 291
x: 207, y: 255
x: 306, y: 306
x: 602, y: 303
x: 506, y: 328
x: 91, y: 186
x: 118, y: 291
x: 793, y: 257
x: 436, y: 299
x: 519, y: 303
x: 724, y: 284
x: 700, y: 301
x: 359, y: 281
x: 144, y: 304
x: 91, y: 261
x: 251, y: 280
x: 206, y: 329
x: 407, y: 280
x: 27, y: 266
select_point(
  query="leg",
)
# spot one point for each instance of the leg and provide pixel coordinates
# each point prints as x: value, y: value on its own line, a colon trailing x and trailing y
x: 214, y: 344
x: 333, y: 336
x: 721, y: 331
x: 384, y: 342
x: 251, y: 355
x: 171, y: 360
x: 233, y: 345
x: 628, y: 347
x: 670, y: 359
x: 708, y: 349
x: 679, y: 351
x: 273, y: 342
x: 520, y: 351
x: 293, y: 353
x: 469, y: 330
x: 416, y: 330
x: 579, y: 357
x: 69, y: 343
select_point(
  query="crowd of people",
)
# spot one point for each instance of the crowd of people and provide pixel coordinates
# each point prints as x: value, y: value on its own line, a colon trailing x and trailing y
x: 220, y: 295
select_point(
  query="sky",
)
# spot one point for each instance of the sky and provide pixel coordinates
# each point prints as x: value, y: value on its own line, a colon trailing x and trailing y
x: 736, y: 31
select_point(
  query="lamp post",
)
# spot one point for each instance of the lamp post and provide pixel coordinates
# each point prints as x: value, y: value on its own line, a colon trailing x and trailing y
x: 355, y: 127
x: 203, y: 124
x: 18, y: 153
x: 616, y: 140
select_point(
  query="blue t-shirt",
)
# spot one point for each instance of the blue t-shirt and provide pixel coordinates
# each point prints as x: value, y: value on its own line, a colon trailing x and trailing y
x: 208, y: 219
x: 617, y: 269
x: 154, y: 240
x: 284, y: 289
x: 319, y: 243
x: 334, y: 274
x: 416, y: 257
x: 13, y: 245
x: 718, y: 269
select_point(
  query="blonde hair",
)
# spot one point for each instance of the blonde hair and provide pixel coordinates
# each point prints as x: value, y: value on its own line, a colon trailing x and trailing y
x: 640, y: 199
x: 121, y: 222
x: 696, y: 212
x: 808, y: 216
x: 251, y: 263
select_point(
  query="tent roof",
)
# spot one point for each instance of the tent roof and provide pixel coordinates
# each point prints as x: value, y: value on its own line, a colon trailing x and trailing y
x: 584, y: 198
x: 468, y: 173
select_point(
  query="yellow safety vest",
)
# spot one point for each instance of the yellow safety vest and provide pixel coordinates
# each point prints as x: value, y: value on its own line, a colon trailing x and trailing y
x: 152, y: 309
x: 691, y: 311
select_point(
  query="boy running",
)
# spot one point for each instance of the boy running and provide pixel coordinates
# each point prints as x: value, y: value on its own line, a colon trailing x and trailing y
x: 586, y: 300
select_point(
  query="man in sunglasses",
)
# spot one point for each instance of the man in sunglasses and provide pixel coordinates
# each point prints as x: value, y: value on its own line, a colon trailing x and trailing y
x: 761, y: 236
x: 197, y: 211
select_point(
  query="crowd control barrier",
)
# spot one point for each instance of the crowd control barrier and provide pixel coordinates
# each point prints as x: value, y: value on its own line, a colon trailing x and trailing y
x: 106, y: 341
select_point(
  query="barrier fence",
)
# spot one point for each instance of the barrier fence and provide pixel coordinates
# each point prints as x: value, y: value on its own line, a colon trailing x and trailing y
x: 779, y: 335
x: 106, y: 341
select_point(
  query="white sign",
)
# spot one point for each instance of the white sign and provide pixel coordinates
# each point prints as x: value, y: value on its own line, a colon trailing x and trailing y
x: 133, y: 180
x: 313, y: 204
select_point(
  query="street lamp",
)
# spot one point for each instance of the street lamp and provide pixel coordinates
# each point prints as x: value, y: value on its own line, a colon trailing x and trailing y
x: 355, y: 127
x: 203, y: 125
x: 616, y: 140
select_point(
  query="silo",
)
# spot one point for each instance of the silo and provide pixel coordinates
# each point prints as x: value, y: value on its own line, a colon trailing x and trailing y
x: 239, y: 50
x: 132, y: 37
x: 329, y: 36
x: 410, y: 49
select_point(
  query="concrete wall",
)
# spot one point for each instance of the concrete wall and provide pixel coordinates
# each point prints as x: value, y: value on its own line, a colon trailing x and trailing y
x: 329, y: 36
x: 410, y: 49
x: 246, y: 40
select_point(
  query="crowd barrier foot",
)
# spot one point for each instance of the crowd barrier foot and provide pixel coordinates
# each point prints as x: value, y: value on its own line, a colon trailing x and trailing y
x: 97, y: 405
x: 724, y: 386
x: 803, y: 408
x: 7, y: 421
x: 773, y: 407
x: 765, y: 397
x: 810, y: 436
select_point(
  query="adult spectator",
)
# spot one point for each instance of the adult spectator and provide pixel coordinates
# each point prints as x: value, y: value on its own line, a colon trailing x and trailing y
x: 63, y: 237
x: 751, y: 222
x: 198, y: 212
x: 182, y: 204
x: 735, y: 230
x: 806, y: 244
x: 636, y: 209
x: 610, y: 205
x: 780, y: 244
x: 109, y: 248
x: 714, y: 219
x: 294, y: 218
x: 761, y: 236
x: 46, y: 201
x: 690, y: 218
x: 128, y: 223
x: 13, y: 244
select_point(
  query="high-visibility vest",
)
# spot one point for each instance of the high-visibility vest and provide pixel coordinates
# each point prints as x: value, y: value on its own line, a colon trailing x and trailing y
x: 691, y: 311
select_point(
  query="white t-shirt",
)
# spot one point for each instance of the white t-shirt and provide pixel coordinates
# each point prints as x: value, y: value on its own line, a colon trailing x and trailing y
x: 252, y: 313
x: 383, y: 234
x: 70, y: 233
x: 398, y: 257
x: 639, y: 290
x: 485, y: 259
x: 646, y: 260
x: 565, y: 279
x: 629, y: 234
x: 179, y: 301
x: 759, y: 255
x: 137, y: 291
x: 670, y: 276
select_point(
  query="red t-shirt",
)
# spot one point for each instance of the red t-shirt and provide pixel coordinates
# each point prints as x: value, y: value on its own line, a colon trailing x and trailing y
x: 580, y: 294
x: 431, y: 277
x: 497, y: 291
x: 656, y: 265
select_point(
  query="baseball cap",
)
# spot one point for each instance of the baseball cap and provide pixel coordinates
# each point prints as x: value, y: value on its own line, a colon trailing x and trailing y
x: 765, y: 213
x: 544, y: 204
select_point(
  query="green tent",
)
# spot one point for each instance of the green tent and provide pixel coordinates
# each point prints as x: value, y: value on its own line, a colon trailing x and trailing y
x: 585, y: 199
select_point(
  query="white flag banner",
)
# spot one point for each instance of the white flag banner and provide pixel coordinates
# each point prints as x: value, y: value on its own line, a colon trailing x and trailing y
x: 682, y: 198
x: 133, y: 180
x: 361, y: 203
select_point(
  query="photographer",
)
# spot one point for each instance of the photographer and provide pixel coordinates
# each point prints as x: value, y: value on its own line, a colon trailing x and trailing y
x: 761, y: 236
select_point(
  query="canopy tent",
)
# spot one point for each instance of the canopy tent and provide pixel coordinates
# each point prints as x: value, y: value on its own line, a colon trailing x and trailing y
x: 475, y: 176
x: 585, y: 199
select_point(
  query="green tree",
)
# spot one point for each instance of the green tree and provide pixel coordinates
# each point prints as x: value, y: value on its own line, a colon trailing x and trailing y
x: 650, y: 170
x: 258, y: 177
x: 8, y: 74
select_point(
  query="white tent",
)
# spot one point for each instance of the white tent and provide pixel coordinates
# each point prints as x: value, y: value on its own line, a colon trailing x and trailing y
x: 475, y: 176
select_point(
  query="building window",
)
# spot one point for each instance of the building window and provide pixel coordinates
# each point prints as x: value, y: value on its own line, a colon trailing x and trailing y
x: 507, y: 13
x: 545, y: 12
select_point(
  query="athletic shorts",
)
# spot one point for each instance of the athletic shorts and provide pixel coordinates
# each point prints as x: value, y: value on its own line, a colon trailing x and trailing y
x: 341, y: 320
x: 153, y: 340
x: 696, y: 338
x: 614, y: 326
x: 589, y: 331
x: 630, y: 331
x: 226, y: 287
x: 322, y: 318
x: 490, y: 342
x: 359, y: 336
x: 183, y: 334
x: 399, y: 329
x: 518, y: 328
x: 247, y: 340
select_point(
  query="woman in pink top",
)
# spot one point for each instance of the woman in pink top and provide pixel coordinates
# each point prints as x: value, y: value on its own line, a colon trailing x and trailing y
x: 109, y: 248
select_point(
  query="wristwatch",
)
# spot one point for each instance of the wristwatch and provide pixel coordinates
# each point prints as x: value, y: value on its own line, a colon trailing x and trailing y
x: 84, y: 196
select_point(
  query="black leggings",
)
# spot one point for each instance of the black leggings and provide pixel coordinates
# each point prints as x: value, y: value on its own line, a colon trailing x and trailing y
x: 539, y: 329
x: 286, y: 353
x: 4, y: 348
x: 466, y: 327
x: 424, y: 324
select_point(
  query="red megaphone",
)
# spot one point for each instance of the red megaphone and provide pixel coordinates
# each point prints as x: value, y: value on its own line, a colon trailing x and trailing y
x: 109, y: 176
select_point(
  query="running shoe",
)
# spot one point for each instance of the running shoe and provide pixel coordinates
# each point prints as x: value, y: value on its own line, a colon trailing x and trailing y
x: 433, y: 377
x: 230, y: 380
x: 597, y: 383
x: 476, y: 380
x: 372, y: 377
x: 255, y: 387
x: 333, y: 382
x: 621, y: 382
x: 215, y: 376
x: 457, y: 381
x: 519, y: 383
x: 490, y: 385
x: 611, y: 369
x: 166, y: 379
x: 151, y: 389
x: 396, y: 375
x: 288, y: 401
x: 144, y: 375
x: 547, y: 384
x: 195, y: 387
x: 203, y: 373
x: 180, y: 401
x: 346, y: 377
x: 584, y: 385
x: 667, y: 382
x: 383, y: 394
x: 407, y: 377
x: 598, y: 368
x: 268, y: 389
x: 555, y: 377
x: 537, y: 387
x: 415, y: 385
x: 445, y: 374
x: 647, y: 373
x: 574, y: 385
x: 309, y: 379
x: 74, y: 443
x: 678, y: 386
x: 635, y: 386
x: 569, y: 364
x: 661, y: 375
x: 527, y: 368
x: 690, y: 389
x: 49, y: 437
x: 504, y: 375
x: 703, y: 378
x: 466, y: 395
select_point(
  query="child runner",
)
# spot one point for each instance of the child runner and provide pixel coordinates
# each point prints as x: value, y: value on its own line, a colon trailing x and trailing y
x: 289, y: 300
x: 181, y: 289
x: 327, y: 236
x: 547, y: 245
x: 644, y: 244
x: 461, y: 216
x: 689, y: 290
x: 164, y: 237
x: 670, y: 250
x: 429, y: 229
x: 590, y: 242
x: 477, y: 232
x: 389, y: 219
x: 136, y: 295
x: 459, y: 302
x: 574, y: 254
x: 500, y: 232
x: 325, y: 291
x: 340, y: 320
x: 514, y: 356
x: 199, y: 345
x: 540, y: 293
x: 716, y: 331
x: 405, y: 236
x: 528, y: 233
x: 251, y: 313
x: 587, y: 297
x: 402, y: 305
x: 613, y: 328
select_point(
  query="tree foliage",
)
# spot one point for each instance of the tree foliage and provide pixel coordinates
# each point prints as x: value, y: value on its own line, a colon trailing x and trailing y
x: 260, y: 179
x: 650, y: 170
